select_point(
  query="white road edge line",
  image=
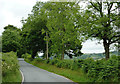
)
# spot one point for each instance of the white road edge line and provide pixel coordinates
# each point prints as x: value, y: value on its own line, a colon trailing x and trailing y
x: 22, y: 76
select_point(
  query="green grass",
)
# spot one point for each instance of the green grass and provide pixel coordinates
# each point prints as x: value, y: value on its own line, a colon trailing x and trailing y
x: 76, y: 76
x: 12, y: 77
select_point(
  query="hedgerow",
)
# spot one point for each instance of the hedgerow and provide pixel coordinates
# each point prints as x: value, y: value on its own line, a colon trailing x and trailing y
x: 99, y: 70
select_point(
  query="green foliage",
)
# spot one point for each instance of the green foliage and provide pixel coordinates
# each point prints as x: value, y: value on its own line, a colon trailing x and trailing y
x: 54, y: 61
x: 62, y: 31
x: 11, y: 39
x: 10, y: 66
x: 76, y: 76
x: 47, y: 61
x: 27, y: 57
x: 9, y: 62
x: 38, y: 60
x: 96, y: 70
x: 104, y: 70
x: 32, y: 36
x: 100, y: 21
x: 57, y: 20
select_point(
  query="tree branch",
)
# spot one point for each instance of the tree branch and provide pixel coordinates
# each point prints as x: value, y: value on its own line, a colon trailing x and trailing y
x: 114, y: 41
x: 94, y: 6
x: 111, y: 6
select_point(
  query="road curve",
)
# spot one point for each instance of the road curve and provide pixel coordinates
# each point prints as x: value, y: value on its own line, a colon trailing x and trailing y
x: 34, y: 74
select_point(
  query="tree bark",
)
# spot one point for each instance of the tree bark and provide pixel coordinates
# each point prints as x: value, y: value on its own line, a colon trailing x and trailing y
x: 119, y: 30
x: 106, y: 48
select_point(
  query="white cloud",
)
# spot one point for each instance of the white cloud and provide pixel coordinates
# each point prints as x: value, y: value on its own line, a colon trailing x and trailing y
x: 12, y: 12
x: 92, y: 47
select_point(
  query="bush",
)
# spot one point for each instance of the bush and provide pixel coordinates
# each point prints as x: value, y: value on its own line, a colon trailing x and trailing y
x: 80, y: 62
x: 87, y: 64
x: 74, y: 65
x: 68, y: 64
x: 104, y: 70
x: 59, y: 64
x: 9, y: 63
x: 47, y: 61
x: 99, y: 70
x: 27, y: 57
x: 38, y: 59
x: 53, y: 62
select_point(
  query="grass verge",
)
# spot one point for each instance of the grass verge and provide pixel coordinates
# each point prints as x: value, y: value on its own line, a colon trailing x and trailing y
x: 12, y: 77
x: 76, y: 76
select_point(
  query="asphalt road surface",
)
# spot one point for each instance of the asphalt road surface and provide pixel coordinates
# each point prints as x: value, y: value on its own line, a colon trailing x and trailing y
x: 33, y: 74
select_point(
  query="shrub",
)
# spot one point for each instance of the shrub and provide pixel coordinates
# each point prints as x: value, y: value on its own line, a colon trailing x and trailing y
x: 87, y: 64
x: 59, y: 64
x: 47, y: 61
x: 104, y: 70
x: 99, y: 70
x: 74, y: 65
x: 53, y: 62
x: 38, y: 59
x: 80, y: 63
x: 27, y: 57
x: 67, y: 63
x: 9, y: 63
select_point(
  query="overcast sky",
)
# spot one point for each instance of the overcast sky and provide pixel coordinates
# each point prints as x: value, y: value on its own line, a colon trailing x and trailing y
x: 12, y: 11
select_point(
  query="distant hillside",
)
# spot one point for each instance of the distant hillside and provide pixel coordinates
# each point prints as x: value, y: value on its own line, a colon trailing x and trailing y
x: 96, y: 55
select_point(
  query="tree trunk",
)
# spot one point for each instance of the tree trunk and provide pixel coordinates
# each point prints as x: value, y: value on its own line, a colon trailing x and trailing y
x: 106, y: 48
x: 47, y: 46
x: 119, y: 30
x: 34, y: 54
x: 119, y: 48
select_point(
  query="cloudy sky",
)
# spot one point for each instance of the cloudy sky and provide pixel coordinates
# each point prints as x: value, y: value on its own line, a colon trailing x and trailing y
x: 12, y: 11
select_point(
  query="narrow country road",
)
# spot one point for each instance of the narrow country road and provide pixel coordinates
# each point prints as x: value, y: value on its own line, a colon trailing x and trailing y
x: 34, y: 75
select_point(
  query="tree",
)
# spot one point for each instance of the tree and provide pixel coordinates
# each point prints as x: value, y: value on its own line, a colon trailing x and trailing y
x: 10, y: 39
x: 62, y: 30
x: 100, y: 22
x: 32, y: 31
x: 52, y: 25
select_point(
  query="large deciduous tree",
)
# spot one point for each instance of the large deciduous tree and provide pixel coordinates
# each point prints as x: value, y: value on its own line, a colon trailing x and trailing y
x: 100, y: 21
x: 62, y: 29
x: 33, y: 39
x: 10, y: 39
